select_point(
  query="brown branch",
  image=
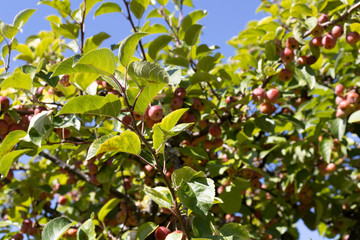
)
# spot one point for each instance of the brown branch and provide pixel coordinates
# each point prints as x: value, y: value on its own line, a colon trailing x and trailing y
x: 134, y: 27
x: 77, y: 172
x: 339, y: 19
x: 82, y: 28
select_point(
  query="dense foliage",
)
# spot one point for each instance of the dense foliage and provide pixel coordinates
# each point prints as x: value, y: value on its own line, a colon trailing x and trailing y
x: 159, y: 137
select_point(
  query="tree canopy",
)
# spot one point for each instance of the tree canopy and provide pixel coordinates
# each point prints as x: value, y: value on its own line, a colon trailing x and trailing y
x: 157, y: 136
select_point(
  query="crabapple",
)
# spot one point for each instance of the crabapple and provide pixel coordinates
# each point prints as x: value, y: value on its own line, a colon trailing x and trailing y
x: 197, y: 104
x: 317, y: 31
x: 339, y: 99
x: 62, y: 200
x: 149, y: 170
x: 183, y: 235
x: 317, y: 41
x: 65, y: 80
x: 352, y: 97
x: 331, y: 167
x: 156, y: 113
x: 4, y: 127
x: 292, y: 44
x: 337, y: 31
x: 4, y: 103
x: 328, y: 41
x: 344, y: 105
x: 176, y: 103
x: 340, y: 113
x: 287, y: 55
x: 230, y: 99
x: 339, y: 90
x: 272, y: 95
x: 215, y: 131
x: 311, y: 60
x: 161, y: 233
x: 180, y: 92
x: 323, y: 18
x: 266, y: 107
x: 352, y: 37
x: 258, y: 94
x: 285, y: 75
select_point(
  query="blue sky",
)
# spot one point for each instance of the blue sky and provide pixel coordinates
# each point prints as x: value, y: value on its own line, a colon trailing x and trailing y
x: 226, y: 18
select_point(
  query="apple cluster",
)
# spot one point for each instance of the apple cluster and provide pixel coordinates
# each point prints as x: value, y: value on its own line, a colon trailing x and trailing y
x: 267, y: 98
x: 161, y: 233
x: 347, y: 103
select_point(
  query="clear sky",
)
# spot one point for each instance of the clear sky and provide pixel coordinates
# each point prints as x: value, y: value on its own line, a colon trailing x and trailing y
x: 226, y: 18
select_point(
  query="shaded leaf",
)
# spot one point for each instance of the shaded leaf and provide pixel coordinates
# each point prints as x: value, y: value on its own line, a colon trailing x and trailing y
x: 192, y: 34
x: 55, y: 228
x: 325, y: 149
x: 110, y: 205
x: 109, y: 105
x: 128, y: 46
x: 145, y: 230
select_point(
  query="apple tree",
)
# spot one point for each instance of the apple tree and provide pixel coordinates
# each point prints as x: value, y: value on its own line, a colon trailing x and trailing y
x: 157, y: 136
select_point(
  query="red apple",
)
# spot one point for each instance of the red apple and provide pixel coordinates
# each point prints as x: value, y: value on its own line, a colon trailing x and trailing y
x: 176, y: 103
x: 285, y: 75
x: 337, y: 31
x: 339, y: 90
x: 287, y: 55
x: 258, y: 94
x: 215, y: 131
x: 156, y: 113
x: 180, y: 92
x: 323, y: 18
x: 352, y: 37
x: 161, y: 233
x: 4, y: 103
x: 62, y: 200
x: 329, y: 41
x: 272, y: 95
x: 317, y: 41
x: 292, y: 44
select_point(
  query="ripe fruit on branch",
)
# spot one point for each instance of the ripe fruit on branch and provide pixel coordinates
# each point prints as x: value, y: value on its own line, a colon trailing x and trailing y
x: 285, y: 74
x: 292, y: 44
x: 352, y: 37
x: 4, y: 127
x: 337, y: 31
x: 331, y: 167
x: 272, y: 95
x: 215, y: 131
x: 328, y: 41
x: 344, y: 105
x: 156, y: 113
x: 149, y: 170
x: 127, y: 120
x: 267, y: 108
x: 62, y: 200
x: 340, y: 113
x: 161, y: 233
x: 4, y: 103
x: 323, y: 18
x: 180, y: 92
x: 317, y: 41
x: 317, y: 31
x: 352, y: 97
x: 230, y: 99
x: 197, y: 104
x: 176, y: 103
x: 287, y: 55
x: 65, y: 80
x: 339, y: 90
x: 258, y: 94
x: 311, y: 60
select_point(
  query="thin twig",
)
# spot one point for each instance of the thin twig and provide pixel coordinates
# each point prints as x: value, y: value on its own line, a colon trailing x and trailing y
x: 82, y: 28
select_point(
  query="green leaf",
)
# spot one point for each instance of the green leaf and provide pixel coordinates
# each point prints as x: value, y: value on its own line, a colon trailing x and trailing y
x: 231, y: 197
x: 157, y: 44
x: 63, y: 6
x: 94, y: 147
x: 145, y: 230
x: 338, y: 127
x: 107, y: 7
x: 166, y: 124
x: 297, y: 31
x: 184, y: 174
x: 319, y: 210
x: 52, y: 81
x: 22, y: 17
x: 39, y: 128
x: 178, y: 129
x: 197, y: 195
x: 235, y: 231
x: 160, y: 195
x: 300, y: 10
x: 102, y: 59
x: 174, y: 236
x: 325, y: 149
x: 307, y: 74
x: 146, y: 96
x: 138, y: 7
x: 55, y: 228
x: 192, y: 18
x: 10, y: 141
x: 354, y: 117
x: 95, y: 41
x: 311, y: 23
x: 86, y: 231
x: 110, y: 105
x: 8, y: 30
x: 192, y: 34
x: 110, y: 205
x: 144, y: 73
x: 128, y: 46
x: 7, y: 160
x: 17, y: 80
x: 128, y: 142
x: 264, y: 123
